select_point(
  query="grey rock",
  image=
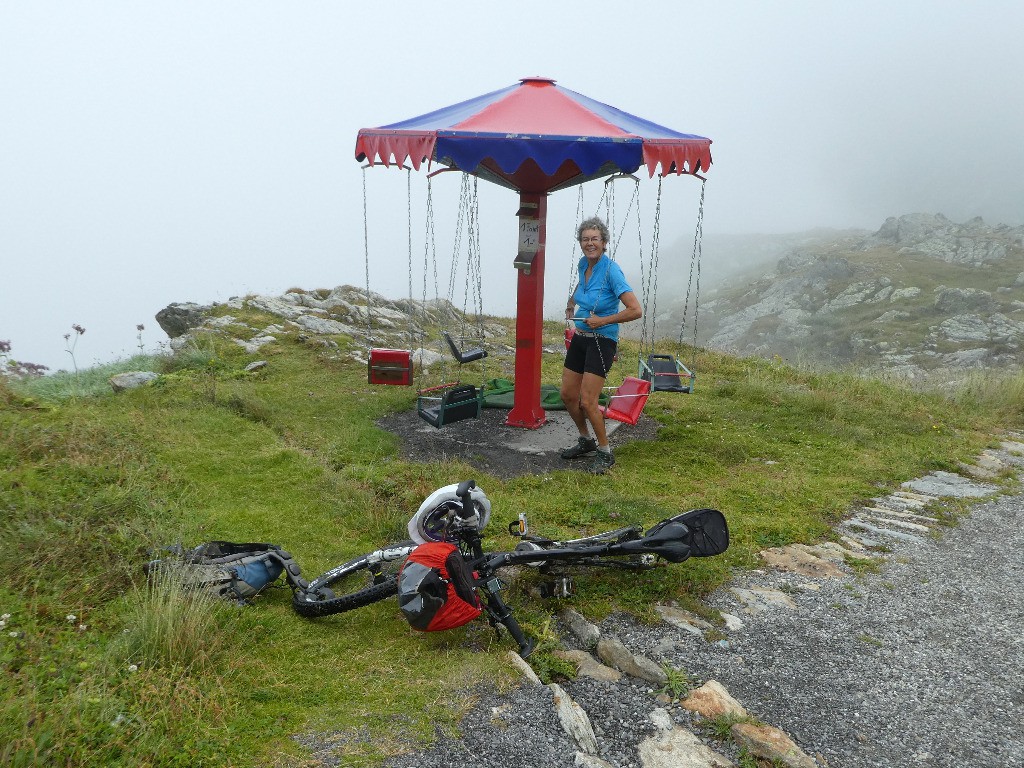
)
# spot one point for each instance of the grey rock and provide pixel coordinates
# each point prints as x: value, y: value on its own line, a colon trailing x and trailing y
x: 679, y: 748
x: 574, y: 720
x: 282, y: 306
x: 583, y: 760
x: 588, y: 666
x: 950, y: 484
x: 321, y: 325
x: 960, y: 299
x: 131, y: 380
x: 178, y: 319
x: 586, y: 634
x: 612, y: 652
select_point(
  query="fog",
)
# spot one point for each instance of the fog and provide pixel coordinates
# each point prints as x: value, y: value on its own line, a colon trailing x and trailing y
x: 193, y: 151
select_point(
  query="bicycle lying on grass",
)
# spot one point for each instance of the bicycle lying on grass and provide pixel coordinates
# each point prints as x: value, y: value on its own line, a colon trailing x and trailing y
x: 444, y: 569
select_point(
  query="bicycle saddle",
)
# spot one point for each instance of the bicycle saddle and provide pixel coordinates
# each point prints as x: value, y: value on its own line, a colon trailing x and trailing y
x: 669, y: 540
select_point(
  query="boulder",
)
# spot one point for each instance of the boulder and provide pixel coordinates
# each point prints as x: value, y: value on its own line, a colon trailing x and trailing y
x: 132, y: 380
x: 713, y: 700
x: 771, y: 744
x: 178, y: 319
x: 679, y: 748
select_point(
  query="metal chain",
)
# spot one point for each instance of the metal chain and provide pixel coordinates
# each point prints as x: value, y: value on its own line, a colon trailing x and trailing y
x: 633, y: 200
x: 472, y: 263
x: 408, y: 220
x: 609, y: 216
x: 574, y: 261
x: 694, y: 264
x: 366, y: 253
x: 429, y: 247
x: 649, y: 282
x: 457, y: 248
x: 476, y: 262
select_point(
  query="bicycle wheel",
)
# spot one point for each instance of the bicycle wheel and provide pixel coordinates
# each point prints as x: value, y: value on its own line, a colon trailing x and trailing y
x: 353, y: 584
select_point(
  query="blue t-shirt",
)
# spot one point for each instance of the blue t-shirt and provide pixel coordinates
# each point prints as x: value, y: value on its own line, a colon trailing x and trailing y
x: 600, y: 294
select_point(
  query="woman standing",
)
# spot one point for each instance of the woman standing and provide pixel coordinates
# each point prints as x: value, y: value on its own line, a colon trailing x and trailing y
x: 597, y: 296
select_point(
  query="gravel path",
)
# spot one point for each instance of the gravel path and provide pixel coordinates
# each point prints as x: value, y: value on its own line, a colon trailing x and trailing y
x: 919, y: 664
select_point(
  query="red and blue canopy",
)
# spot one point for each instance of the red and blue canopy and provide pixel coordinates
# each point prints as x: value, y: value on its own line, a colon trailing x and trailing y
x: 535, y: 137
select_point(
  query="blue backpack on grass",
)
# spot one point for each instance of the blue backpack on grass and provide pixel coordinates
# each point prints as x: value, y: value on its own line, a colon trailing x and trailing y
x: 233, y: 571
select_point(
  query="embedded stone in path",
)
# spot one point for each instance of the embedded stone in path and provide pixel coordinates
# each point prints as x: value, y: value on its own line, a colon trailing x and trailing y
x: 862, y: 524
x: 759, y: 599
x: 588, y: 666
x: 612, y: 652
x: 683, y: 620
x: 679, y: 748
x: 574, y: 720
x: 771, y: 744
x: 583, y: 760
x: 800, y: 559
x: 713, y: 700
x: 524, y: 668
x: 950, y: 484
x: 588, y: 634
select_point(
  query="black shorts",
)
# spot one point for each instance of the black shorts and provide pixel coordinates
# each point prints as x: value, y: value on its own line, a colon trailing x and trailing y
x: 590, y: 354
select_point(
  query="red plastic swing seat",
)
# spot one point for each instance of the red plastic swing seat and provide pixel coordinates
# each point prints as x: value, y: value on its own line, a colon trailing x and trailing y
x: 390, y: 366
x: 628, y: 401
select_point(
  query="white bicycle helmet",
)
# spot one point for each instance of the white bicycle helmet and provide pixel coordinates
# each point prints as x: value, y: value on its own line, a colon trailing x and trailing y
x: 436, y: 512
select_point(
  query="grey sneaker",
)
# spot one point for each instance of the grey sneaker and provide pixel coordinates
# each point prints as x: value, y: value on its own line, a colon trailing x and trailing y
x: 601, y: 463
x: 582, y: 447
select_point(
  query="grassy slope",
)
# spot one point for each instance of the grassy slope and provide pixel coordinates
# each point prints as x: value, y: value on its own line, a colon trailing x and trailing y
x: 291, y: 455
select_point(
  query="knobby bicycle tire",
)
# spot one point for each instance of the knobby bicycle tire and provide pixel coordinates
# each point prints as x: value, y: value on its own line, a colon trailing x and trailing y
x: 371, y: 594
x: 362, y: 587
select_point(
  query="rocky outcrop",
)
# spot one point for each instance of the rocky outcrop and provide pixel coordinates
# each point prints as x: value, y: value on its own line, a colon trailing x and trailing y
x: 368, y: 319
x: 865, y: 301
x: 973, y: 243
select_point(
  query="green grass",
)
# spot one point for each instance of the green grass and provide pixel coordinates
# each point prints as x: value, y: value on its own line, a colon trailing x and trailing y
x: 290, y: 454
x: 87, y: 382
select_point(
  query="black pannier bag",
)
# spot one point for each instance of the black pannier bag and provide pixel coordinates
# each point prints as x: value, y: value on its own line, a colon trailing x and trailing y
x: 436, y: 589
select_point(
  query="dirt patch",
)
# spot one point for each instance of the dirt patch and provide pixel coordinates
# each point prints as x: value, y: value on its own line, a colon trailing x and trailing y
x: 488, y: 445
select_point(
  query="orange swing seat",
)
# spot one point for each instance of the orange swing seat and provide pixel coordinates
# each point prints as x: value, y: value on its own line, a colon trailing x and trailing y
x: 628, y: 401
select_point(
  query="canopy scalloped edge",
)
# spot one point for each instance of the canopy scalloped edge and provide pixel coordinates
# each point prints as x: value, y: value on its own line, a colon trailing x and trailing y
x: 394, y: 147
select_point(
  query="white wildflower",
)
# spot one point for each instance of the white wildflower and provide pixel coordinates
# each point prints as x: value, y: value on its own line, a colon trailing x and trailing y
x: 82, y: 627
x: 133, y: 667
x: 71, y: 617
x: 13, y: 634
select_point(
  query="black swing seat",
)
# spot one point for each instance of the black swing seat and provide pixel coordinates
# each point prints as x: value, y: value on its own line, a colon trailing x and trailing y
x: 458, y: 403
x: 476, y: 353
x: 666, y: 374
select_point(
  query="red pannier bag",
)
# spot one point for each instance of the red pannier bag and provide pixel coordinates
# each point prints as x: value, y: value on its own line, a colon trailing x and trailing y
x: 436, y: 589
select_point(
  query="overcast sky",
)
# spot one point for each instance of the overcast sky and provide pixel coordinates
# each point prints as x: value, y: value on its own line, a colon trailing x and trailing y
x: 192, y: 151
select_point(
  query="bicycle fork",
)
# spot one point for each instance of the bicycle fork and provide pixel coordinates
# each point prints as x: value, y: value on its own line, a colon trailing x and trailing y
x: 498, y: 612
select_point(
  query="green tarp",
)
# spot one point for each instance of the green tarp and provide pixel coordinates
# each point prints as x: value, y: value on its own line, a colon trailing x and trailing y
x: 498, y: 393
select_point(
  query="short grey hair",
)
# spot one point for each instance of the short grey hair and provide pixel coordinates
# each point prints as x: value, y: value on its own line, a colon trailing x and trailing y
x: 593, y: 223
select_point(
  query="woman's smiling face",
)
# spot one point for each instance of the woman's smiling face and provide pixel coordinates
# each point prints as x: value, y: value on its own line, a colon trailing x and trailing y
x: 592, y: 243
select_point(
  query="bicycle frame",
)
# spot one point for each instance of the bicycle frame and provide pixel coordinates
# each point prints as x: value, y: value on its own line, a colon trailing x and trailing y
x: 696, y: 533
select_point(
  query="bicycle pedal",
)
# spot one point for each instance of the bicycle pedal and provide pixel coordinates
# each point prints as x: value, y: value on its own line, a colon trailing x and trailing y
x: 559, y: 588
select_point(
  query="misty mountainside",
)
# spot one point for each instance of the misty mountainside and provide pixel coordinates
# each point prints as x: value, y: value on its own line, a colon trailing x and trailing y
x: 921, y: 294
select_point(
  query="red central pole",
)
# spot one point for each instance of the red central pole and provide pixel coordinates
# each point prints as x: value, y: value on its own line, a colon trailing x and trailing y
x: 526, y: 408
